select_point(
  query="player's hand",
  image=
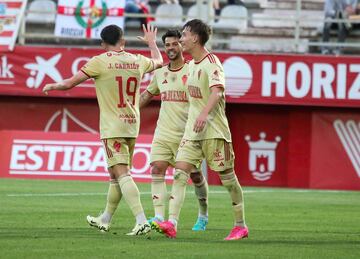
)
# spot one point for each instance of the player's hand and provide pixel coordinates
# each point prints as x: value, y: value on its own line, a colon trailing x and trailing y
x: 200, y: 123
x: 47, y: 88
x: 149, y: 34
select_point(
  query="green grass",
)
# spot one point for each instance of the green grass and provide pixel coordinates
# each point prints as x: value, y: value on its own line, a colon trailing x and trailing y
x: 283, y: 223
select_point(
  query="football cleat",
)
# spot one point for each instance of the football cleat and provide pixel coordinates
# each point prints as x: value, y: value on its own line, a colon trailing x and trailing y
x: 238, y: 233
x: 152, y: 220
x: 167, y: 228
x: 200, y: 224
x: 140, y: 229
x: 96, y: 222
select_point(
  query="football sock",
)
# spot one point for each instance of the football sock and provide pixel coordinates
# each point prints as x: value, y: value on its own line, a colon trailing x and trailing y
x: 201, y: 191
x: 177, y: 194
x: 131, y: 194
x: 231, y: 183
x: 113, y: 198
x: 140, y: 218
x: 159, y: 194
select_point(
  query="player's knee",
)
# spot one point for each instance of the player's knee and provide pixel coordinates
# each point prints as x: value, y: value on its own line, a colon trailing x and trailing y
x: 196, y: 177
x: 158, y: 170
x: 120, y: 170
x: 181, y: 177
x: 228, y: 178
x: 184, y: 166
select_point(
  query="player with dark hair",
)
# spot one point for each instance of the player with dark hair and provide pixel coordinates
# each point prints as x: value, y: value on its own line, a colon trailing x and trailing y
x: 170, y: 83
x: 207, y: 134
x: 117, y: 76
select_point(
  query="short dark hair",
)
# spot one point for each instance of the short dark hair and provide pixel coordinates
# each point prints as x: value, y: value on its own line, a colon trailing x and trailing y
x: 111, y: 34
x: 171, y: 33
x: 199, y: 28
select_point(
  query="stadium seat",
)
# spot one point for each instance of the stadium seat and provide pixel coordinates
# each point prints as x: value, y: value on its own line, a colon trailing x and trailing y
x: 168, y: 15
x: 202, y: 14
x: 232, y: 17
x: 41, y: 11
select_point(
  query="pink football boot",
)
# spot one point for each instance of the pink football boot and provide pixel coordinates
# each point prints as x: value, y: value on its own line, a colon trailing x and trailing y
x: 238, y: 233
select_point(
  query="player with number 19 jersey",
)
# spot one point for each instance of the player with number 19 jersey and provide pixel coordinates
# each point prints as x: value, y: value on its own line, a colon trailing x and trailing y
x: 121, y: 73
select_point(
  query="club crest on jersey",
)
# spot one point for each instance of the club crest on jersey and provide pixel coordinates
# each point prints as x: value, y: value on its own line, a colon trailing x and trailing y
x: 199, y: 74
x: 184, y: 79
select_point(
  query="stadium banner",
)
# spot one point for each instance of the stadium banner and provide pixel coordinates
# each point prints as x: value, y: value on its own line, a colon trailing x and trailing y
x: 86, y: 18
x: 11, y: 14
x: 70, y: 156
x: 299, y: 148
x: 335, y: 151
x: 250, y: 78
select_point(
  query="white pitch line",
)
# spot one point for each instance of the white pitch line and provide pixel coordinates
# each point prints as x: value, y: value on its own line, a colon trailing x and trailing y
x: 148, y: 193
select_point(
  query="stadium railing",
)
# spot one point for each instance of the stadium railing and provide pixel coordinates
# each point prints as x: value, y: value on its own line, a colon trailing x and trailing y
x: 297, y: 35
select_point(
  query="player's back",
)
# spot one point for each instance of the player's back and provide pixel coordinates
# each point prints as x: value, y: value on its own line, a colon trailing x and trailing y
x: 117, y: 78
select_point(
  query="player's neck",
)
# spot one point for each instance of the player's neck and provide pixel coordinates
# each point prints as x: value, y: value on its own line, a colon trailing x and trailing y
x: 177, y: 64
x: 116, y: 48
x: 199, y: 53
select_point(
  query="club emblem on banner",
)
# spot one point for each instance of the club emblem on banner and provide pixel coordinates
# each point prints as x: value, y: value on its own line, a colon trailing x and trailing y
x: 96, y: 16
x: 86, y: 18
x: 262, y: 157
x: 349, y: 135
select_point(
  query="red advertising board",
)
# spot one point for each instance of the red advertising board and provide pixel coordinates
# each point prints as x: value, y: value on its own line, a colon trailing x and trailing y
x: 335, y: 151
x: 70, y: 156
x: 260, y: 145
x: 250, y: 78
x: 274, y: 145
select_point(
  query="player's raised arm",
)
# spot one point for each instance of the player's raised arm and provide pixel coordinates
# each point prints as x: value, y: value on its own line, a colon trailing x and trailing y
x: 150, y: 39
x: 66, y: 84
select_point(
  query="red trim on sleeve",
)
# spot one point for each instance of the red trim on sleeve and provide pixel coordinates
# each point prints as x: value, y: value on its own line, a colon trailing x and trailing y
x: 153, y: 64
x: 85, y: 73
x: 149, y: 92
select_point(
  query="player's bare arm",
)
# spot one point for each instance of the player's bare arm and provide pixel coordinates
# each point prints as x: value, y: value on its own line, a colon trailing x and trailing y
x: 150, y: 39
x: 66, y: 84
x: 145, y: 98
x: 214, y: 98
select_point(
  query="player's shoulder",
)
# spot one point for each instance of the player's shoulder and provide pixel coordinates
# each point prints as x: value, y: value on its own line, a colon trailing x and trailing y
x: 211, y: 58
x: 163, y: 69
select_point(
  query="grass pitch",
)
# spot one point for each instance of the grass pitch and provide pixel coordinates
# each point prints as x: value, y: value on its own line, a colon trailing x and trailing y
x: 46, y: 219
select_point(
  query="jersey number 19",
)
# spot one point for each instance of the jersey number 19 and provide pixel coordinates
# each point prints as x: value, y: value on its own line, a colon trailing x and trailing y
x: 130, y: 90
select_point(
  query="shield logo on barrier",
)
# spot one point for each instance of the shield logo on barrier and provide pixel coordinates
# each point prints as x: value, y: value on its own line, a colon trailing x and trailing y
x: 262, y: 157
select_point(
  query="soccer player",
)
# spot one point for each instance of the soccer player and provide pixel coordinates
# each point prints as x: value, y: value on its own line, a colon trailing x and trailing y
x: 169, y: 82
x: 117, y: 76
x: 207, y: 132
